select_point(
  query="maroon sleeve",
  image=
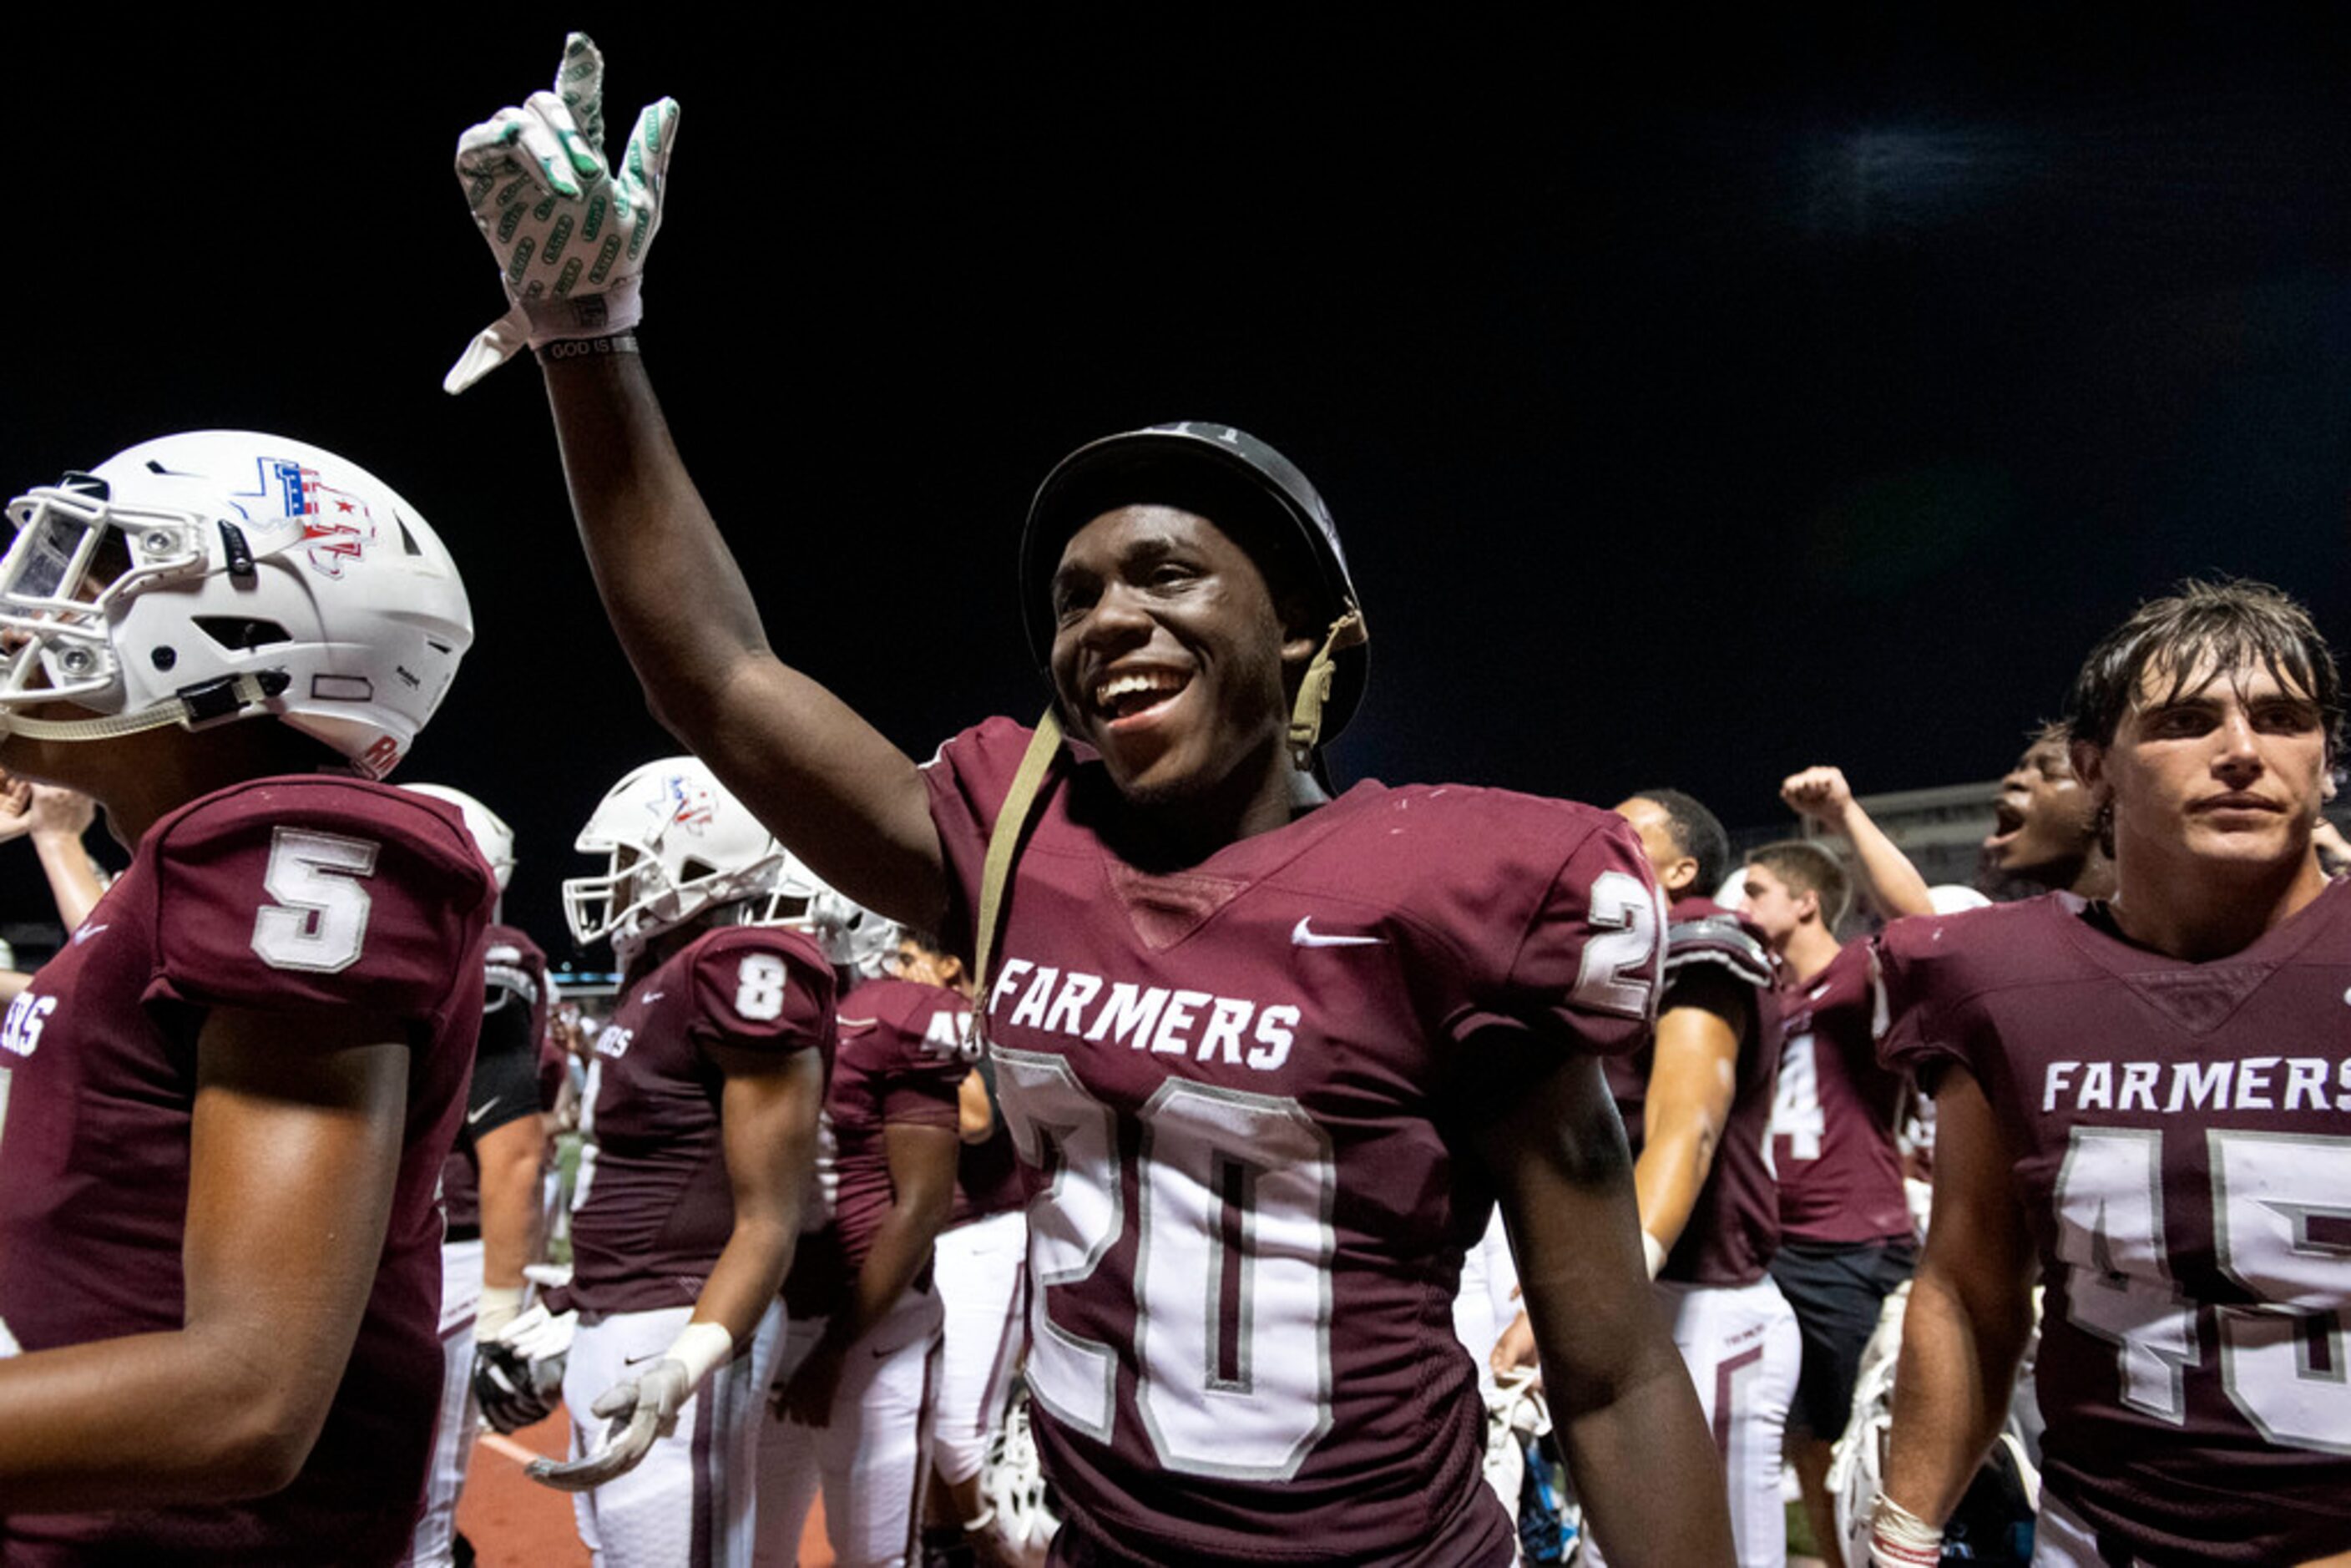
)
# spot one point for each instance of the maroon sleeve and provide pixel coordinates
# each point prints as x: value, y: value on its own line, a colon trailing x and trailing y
x: 297, y: 894
x: 1910, y: 970
x: 1590, y: 961
x: 1701, y: 936
x: 923, y: 1090
x: 927, y: 1068
x: 760, y: 990
x: 968, y: 781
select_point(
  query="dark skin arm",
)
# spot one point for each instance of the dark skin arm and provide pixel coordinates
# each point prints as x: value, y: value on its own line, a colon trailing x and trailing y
x: 1693, y: 1077
x: 767, y: 1129
x: 829, y: 784
x: 292, y: 1159
x: 1693, y: 1074
x: 975, y: 1117
x: 1620, y: 1395
x: 508, y: 1156
x: 922, y: 1180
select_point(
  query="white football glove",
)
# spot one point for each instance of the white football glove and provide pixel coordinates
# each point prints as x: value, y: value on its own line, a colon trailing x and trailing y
x: 642, y: 1408
x: 569, y: 236
x: 638, y: 1410
x: 518, y: 1371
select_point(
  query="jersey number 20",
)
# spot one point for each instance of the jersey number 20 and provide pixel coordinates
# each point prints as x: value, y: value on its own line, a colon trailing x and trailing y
x: 1232, y: 1287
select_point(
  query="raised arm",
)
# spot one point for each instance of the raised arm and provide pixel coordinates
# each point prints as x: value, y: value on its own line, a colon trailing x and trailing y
x: 823, y: 780
x: 1888, y: 877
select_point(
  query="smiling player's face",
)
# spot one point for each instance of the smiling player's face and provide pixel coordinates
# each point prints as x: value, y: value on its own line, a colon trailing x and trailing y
x: 1168, y: 652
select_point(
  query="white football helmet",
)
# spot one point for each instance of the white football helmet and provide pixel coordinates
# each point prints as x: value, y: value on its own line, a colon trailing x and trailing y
x: 679, y: 843
x: 491, y: 834
x: 676, y: 843
x: 226, y: 574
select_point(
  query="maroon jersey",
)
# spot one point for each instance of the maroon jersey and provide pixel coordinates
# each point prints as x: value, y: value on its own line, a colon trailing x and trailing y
x: 1234, y: 1091
x: 900, y: 1060
x: 653, y: 1208
x: 505, y: 1085
x: 289, y: 896
x: 1734, y: 1226
x: 1834, y: 1117
x: 2181, y: 1140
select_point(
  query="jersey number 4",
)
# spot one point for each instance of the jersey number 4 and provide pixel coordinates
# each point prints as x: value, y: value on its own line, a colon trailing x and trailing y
x: 2281, y: 1358
x: 1232, y: 1291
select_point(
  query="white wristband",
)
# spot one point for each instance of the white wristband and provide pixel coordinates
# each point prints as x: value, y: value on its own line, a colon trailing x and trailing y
x: 1900, y: 1538
x: 1653, y: 1251
x: 699, y: 1347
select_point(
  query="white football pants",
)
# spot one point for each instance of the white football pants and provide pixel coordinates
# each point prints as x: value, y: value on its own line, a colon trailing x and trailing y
x: 979, y: 1277
x: 688, y: 1504
x: 1743, y: 1350
x: 872, y: 1458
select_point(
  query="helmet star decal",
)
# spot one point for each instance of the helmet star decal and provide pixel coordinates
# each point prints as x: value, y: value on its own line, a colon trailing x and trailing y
x: 684, y: 803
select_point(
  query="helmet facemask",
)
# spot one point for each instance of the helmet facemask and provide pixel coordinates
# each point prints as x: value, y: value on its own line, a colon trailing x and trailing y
x: 76, y: 562
x: 218, y: 575
x: 674, y: 844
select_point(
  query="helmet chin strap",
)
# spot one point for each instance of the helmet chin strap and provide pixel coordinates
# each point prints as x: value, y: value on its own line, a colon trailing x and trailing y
x: 1314, y: 690
x: 191, y: 708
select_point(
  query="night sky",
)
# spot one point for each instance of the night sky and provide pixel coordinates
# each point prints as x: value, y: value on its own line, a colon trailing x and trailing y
x: 1695, y: 405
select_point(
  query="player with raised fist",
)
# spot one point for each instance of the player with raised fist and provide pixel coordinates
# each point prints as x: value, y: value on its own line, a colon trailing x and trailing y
x: 2144, y: 1103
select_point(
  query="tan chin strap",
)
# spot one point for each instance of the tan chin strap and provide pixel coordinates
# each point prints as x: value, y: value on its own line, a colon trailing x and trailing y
x: 1003, y: 845
x: 228, y: 697
x: 1314, y: 690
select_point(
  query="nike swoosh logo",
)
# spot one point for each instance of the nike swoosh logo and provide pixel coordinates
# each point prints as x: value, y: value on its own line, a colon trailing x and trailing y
x: 650, y: 997
x: 1304, y: 935
x: 85, y: 932
x: 476, y: 1115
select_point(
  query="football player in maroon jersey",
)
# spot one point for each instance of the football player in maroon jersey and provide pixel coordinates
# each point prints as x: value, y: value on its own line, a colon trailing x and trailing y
x: 227, y: 1100
x: 860, y: 1352
x: 981, y: 1285
x: 2146, y: 1101
x: 1268, y: 1056
x: 1698, y: 1107
x: 2045, y: 829
x: 702, y: 1105
x: 489, y: 1185
x: 1846, y: 1237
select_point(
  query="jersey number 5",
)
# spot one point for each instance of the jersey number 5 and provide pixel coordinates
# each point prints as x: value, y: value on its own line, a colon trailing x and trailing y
x: 321, y: 915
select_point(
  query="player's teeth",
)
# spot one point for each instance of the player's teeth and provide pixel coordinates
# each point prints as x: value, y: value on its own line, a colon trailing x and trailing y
x: 1112, y: 692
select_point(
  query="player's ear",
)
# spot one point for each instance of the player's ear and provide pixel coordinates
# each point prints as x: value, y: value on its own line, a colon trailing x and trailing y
x: 1676, y: 878
x: 2089, y: 766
